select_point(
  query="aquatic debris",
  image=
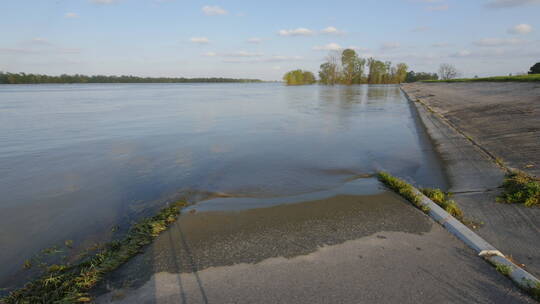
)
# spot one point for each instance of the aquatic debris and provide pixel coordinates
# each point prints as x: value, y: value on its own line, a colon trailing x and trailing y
x: 70, y: 283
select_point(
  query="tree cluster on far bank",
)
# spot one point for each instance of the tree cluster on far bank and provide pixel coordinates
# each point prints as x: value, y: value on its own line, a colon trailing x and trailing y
x: 535, y: 69
x: 348, y: 68
x: 413, y: 76
x: 23, y: 78
x: 299, y: 77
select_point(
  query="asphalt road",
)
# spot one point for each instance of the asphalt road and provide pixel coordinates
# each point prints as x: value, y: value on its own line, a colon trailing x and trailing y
x: 340, y: 249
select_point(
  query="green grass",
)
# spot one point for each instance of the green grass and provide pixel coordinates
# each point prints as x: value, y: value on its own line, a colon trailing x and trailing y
x: 520, y: 78
x: 402, y: 188
x: 503, y: 269
x: 535, y: 291
x: 520, y: 188
x: 71, y: 283
x: 443, y: 200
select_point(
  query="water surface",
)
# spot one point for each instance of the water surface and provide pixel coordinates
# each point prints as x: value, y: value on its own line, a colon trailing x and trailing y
x: 77, y: 160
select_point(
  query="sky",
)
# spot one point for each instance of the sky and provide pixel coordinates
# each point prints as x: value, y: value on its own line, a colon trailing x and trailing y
x: 264, y: 39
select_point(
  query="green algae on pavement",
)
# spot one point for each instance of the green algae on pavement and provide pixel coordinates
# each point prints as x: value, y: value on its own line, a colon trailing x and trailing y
x: 70, y: 283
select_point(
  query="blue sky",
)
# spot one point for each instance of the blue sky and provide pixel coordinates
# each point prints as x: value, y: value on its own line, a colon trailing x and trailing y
x: 264, y: 39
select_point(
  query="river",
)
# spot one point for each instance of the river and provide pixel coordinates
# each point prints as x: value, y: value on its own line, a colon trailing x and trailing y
x: 77, y: 161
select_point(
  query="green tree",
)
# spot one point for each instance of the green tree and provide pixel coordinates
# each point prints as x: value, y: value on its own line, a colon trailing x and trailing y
x: 299, y: 77
x: 352, y: 66
x: 535, y: 69
x: 329, y: 71
x: 378, y: 71
x: 448, y: 71
x: 413, y: 77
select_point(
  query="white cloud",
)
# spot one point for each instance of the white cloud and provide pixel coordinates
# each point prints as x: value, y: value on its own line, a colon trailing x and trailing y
x: 103, y: 1
x: 328, y: 47
x: 199, y: 40
x: 520, y: 29
x: 276, y: 68
x: 71, y: 15
x: 213, y: 10
x: 331, y: 30
x: 296, y: 32
x: 255, y: 40
x: 243, y: 54
x: 390, y: 45
x: 510, y: 3
x: 443, y: 7
x: 489, y: 42
x: 210, y: 54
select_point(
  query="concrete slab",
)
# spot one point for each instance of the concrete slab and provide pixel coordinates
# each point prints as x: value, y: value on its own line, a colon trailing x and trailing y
x: 503, y: 117
x: 474, y: 176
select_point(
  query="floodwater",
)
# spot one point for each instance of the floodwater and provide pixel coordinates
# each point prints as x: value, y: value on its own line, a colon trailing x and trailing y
x: 78, y: 160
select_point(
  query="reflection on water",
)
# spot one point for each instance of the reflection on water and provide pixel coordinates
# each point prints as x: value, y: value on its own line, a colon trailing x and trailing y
x: 76, y: 160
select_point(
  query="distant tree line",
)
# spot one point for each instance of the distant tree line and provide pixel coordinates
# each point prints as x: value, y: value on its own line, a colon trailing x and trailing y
x: 23, y: 78
x: 535, y: 69
x: 299, y: 77
x: 413, y: 76
x: 348, y: 68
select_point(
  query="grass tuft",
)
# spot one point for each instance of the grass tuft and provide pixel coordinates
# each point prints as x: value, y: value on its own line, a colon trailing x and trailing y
x: 443, y: 200
x: 71, y: 283
x: 503, y: 269
x: 520, y: 188
x: 403, y: 189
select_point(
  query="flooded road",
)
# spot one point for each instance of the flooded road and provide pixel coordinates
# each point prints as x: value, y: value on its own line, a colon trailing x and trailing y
x: 325, y: 247
x: 78, y: 160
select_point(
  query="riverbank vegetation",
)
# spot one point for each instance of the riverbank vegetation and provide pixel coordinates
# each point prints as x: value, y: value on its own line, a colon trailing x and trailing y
x: 520, y: 188
x: 443, y: 200
x: 299, y: 77
x: 402, y: 188
x: 436, y: 195
x: 70, y: 283
x: 347, y: 68
x: 412, y: 76
x: 23, y: 78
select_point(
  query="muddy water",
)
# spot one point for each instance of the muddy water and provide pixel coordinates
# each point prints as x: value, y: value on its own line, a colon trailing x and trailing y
x: 77, y: 160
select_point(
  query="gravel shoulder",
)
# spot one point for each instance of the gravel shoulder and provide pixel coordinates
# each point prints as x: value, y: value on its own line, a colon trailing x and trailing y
x: 503, y: 120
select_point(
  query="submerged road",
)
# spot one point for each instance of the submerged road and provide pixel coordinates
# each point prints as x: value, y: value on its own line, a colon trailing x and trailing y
x: 341, y: 248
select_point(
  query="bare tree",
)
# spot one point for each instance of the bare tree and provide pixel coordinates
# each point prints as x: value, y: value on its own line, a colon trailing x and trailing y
x: 448, y: 71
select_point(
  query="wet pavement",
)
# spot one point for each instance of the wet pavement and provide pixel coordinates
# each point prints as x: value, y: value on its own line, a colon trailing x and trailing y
x: 338, y: 248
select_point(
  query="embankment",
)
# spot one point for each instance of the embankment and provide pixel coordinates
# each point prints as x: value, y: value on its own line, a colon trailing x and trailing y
x: 477, y: 127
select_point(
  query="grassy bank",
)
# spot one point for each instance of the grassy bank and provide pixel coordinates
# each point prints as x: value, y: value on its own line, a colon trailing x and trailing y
x: 70, y: 283
x: 518, y: 78
x: 402, y: 188
x: 436, y: 195
x: 520, y: 188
